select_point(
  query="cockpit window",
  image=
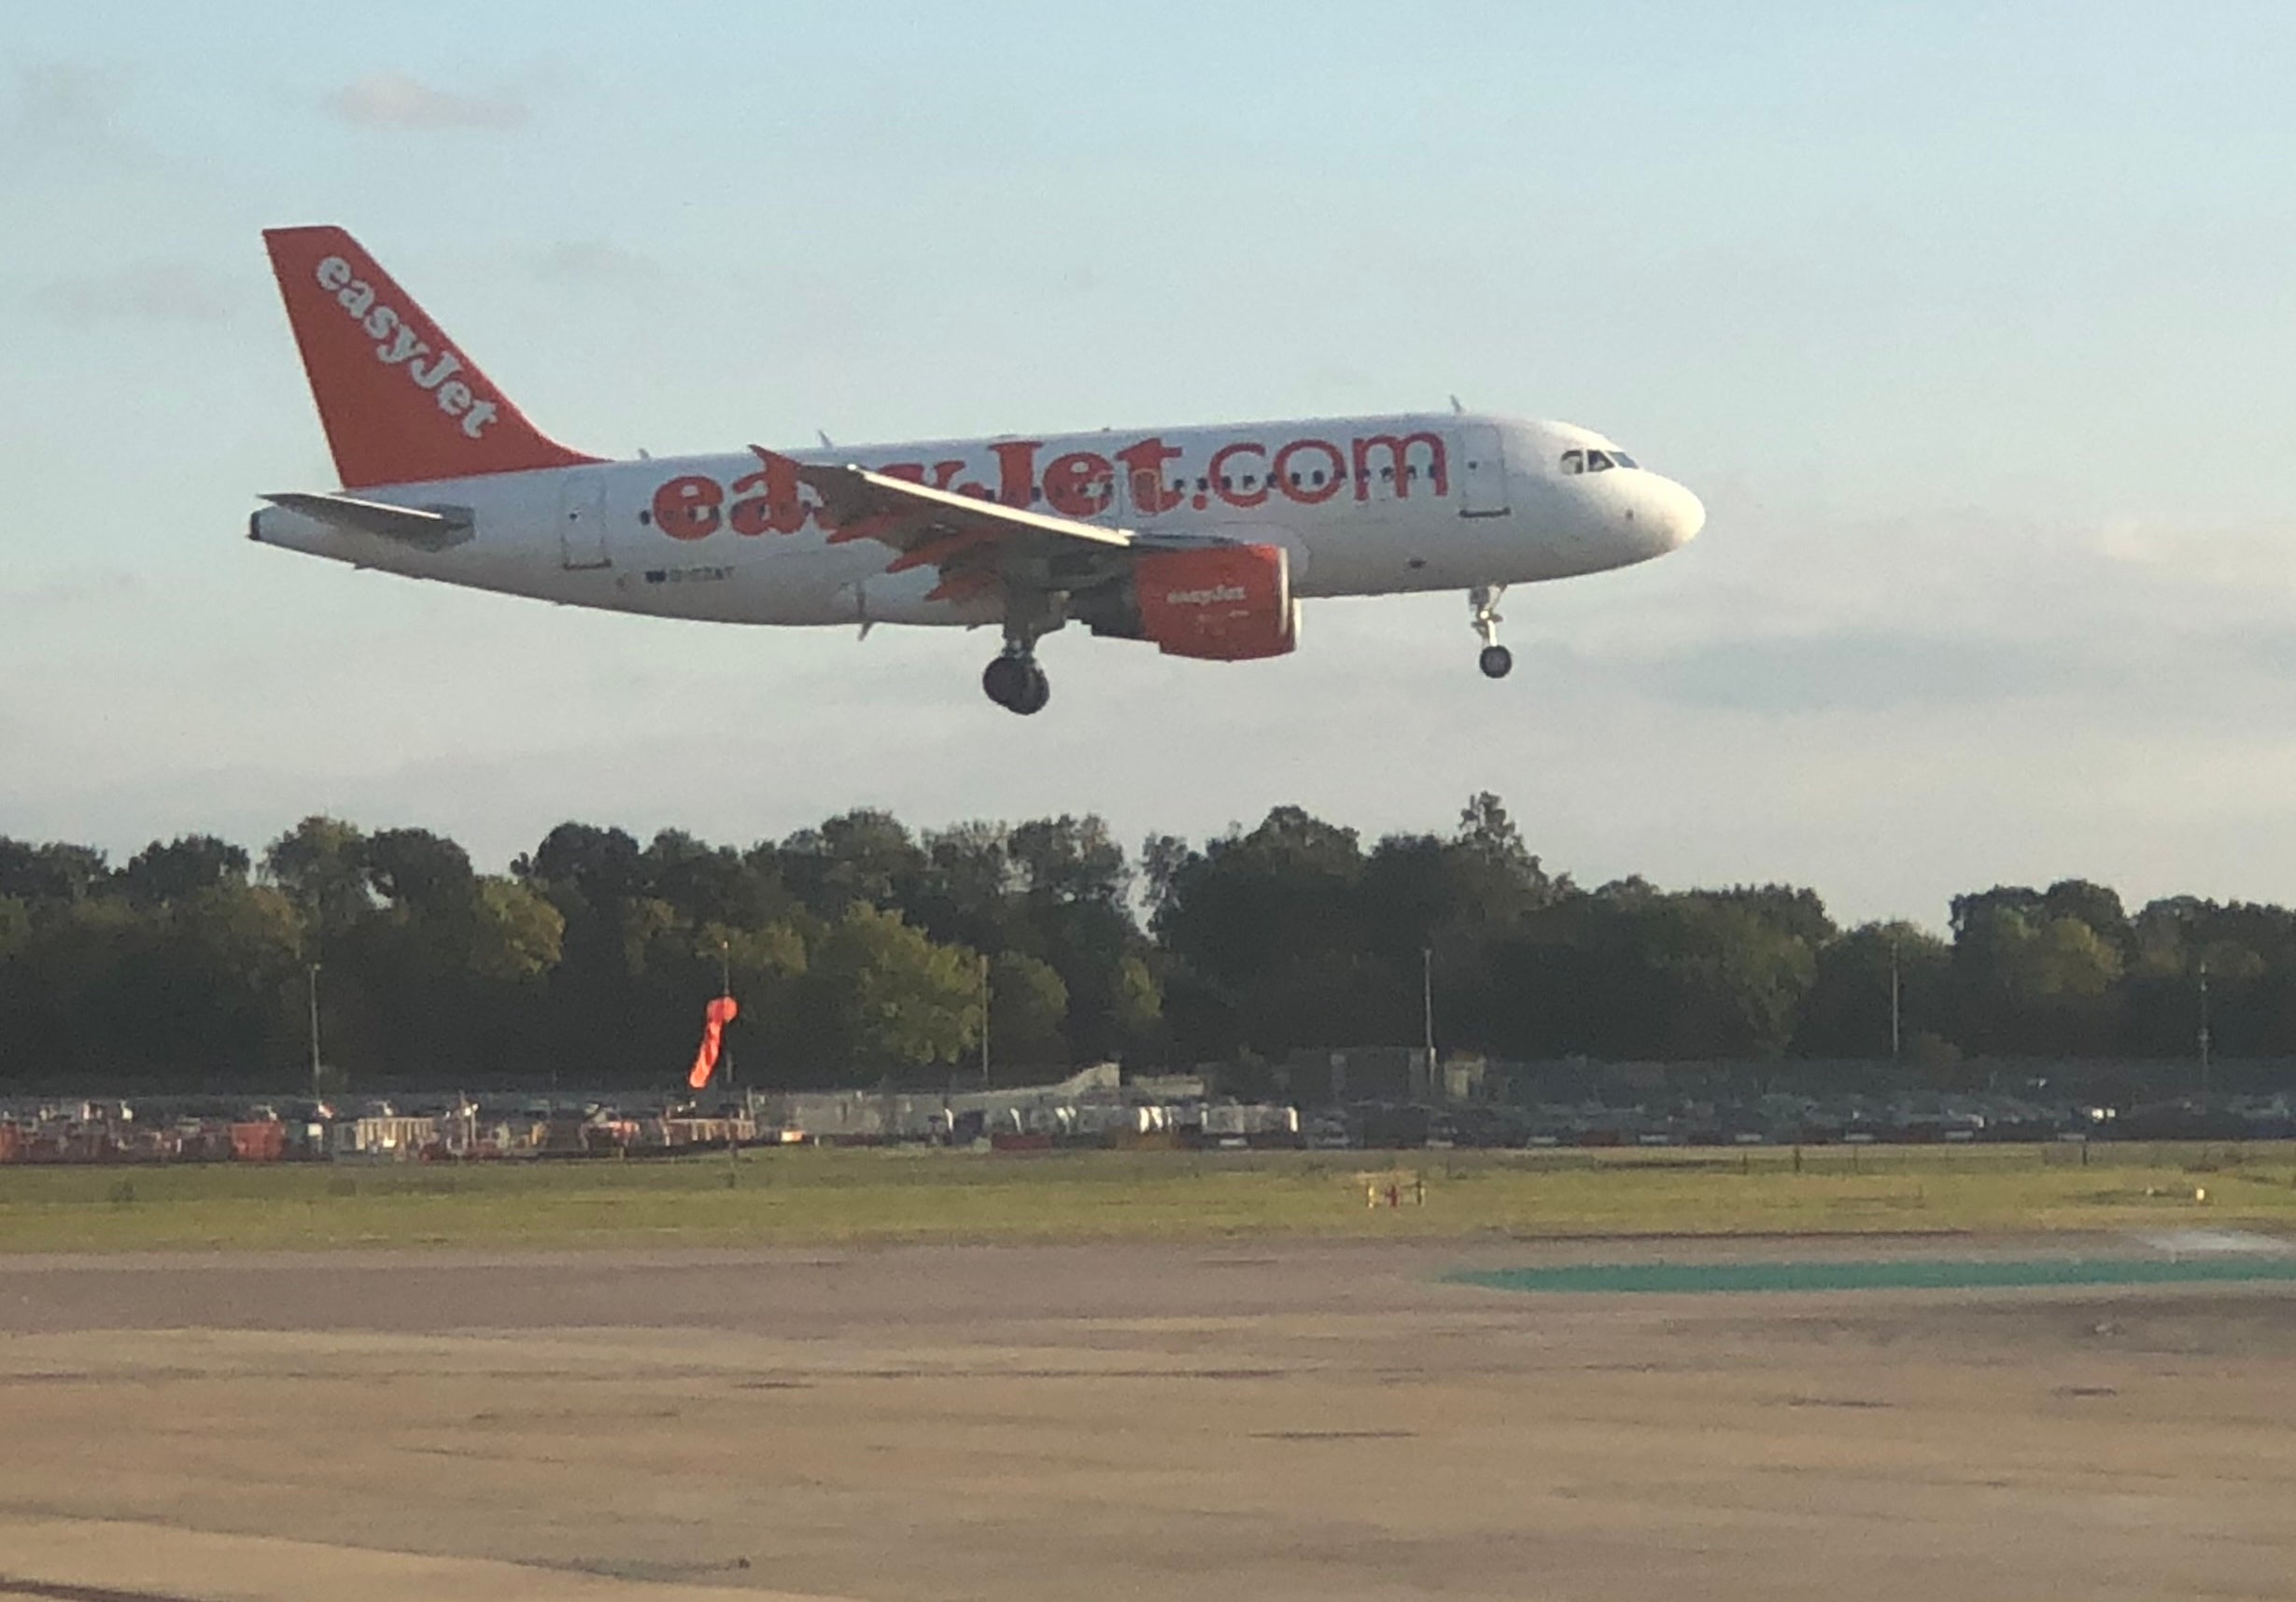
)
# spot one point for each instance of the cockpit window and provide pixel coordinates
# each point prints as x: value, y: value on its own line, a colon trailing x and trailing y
x: 1588, y: 459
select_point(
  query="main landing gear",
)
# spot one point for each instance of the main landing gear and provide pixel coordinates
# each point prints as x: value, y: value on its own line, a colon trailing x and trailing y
x: 1013, y: 681
x: 1496, y: 660
x: 1016, y: 683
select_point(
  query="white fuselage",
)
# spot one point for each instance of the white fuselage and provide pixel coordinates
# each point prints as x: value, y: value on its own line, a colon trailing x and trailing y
x: 1363, y: 505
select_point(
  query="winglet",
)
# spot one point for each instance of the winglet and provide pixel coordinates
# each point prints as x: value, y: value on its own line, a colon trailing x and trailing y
x: 400, y: 404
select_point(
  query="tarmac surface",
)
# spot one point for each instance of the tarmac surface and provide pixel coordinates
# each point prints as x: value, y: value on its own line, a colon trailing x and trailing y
x: 1268, y: 1420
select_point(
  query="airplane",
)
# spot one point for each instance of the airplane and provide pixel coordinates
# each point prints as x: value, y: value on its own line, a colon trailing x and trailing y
x: 1202, y: 542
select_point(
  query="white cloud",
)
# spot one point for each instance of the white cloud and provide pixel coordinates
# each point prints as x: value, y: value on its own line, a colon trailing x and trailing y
x: 69, y: 111
x: 75, y: 592
x: 2261, y: 556
x: 394, y: 100
x: 593, y: 261
x: 140, y: 291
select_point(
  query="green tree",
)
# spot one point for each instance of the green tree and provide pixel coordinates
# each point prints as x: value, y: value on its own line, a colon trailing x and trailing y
x: 2094, y: 906
x: 424, y: 873
x: 165, y: 871
x: 1847, y: 1011
x: 968, y: 889
x: 598, y: 864
x: 714, y: 884
x: 892, y: 1000
x: 1509, y: 879
x: 2032, y: 981
x: 1137, y: 1009
x: 226, y: 1010
x: 90, y: 995
x: 517, y: 935
x: 55, y: 872
x: 1028, y: 1003
x: 1735, y: 970
x: 322, y: 864
x: 596, y: 1022
x: 1267, y: 933
x: 1069, y: 859
x: 860, y: 857
x: 757, y: 962
x: 1627, y: 971
x: 2250, y: 954
x: 1162, y: 859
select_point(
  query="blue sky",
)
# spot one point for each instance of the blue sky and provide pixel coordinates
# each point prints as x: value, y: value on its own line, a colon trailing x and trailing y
x: 1972, y: 324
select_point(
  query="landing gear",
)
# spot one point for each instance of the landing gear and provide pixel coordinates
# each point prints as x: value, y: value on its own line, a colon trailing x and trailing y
x: 1496, y: 660
x: 1013, y: 681
x: 1016, y: 683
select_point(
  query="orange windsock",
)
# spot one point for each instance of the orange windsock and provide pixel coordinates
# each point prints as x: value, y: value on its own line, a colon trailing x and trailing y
x: 723, y: 1011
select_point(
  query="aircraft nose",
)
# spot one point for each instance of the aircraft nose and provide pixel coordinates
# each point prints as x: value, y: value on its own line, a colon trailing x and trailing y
x: 1676, y: 515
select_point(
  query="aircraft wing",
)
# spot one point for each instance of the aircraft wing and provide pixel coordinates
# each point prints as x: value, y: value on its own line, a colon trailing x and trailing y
x: 975, y: 543
x: 427, y: 530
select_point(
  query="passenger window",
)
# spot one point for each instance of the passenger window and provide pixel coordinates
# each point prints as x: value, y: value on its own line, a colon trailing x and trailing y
x: 1226, y: 483
x: 1316, y: 478
x: 1251, y: 479
x: 1573, y: 462
x: 1206, y: 484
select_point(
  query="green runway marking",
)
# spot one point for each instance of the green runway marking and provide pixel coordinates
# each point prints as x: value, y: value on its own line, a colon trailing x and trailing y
x: 1911, y: 1273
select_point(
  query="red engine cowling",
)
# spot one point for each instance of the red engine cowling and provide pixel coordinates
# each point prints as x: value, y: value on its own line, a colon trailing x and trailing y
x: 1223, y: 603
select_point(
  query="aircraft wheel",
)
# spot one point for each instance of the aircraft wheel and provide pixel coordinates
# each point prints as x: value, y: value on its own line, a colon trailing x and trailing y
x: 1036, y: 692
x: 1007, y: 681
x: 1497, y: 661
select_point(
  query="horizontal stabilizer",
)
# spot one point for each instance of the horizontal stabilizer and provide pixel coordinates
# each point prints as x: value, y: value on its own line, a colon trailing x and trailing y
x: 427, y: 529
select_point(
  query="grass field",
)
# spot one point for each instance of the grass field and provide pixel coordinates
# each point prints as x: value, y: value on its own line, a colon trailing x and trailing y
x: 842, y: 1197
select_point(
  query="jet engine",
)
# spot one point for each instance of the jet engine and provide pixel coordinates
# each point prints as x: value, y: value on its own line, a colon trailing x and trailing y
x: 1223, y: 603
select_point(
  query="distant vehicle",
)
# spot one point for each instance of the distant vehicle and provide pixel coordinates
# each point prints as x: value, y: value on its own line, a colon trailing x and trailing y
x: 1200, y: 540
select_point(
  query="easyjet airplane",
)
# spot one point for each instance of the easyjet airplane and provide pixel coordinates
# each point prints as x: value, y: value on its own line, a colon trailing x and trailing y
x: 1200, y: 540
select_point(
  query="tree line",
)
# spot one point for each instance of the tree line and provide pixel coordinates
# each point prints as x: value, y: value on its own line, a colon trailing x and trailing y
x: 866, y: 952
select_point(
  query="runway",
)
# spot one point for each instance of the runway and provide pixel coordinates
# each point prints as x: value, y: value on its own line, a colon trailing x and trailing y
x: 1280, y: 1421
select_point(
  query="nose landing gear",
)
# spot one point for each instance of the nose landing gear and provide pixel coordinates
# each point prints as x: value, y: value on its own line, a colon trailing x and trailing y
x: 1495, y: 660
x: 1016, y: 683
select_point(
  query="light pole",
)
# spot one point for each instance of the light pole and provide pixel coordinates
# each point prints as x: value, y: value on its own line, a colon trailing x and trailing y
x: 725, y: 991
x: 314, y: 975
x: 2203, y: 1040
x: 1896, y: 994
x: 725, y: 1057
x: 1426, y: 1014
x: 985, y: 1076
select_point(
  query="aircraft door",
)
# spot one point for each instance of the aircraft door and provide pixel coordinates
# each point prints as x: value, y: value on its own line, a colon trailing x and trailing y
x: 1482, y: 472
x: 1145, y: 494
x: 582, y: 521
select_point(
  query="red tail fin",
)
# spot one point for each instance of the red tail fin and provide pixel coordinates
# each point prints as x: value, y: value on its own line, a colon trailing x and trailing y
x: 399, y: 404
